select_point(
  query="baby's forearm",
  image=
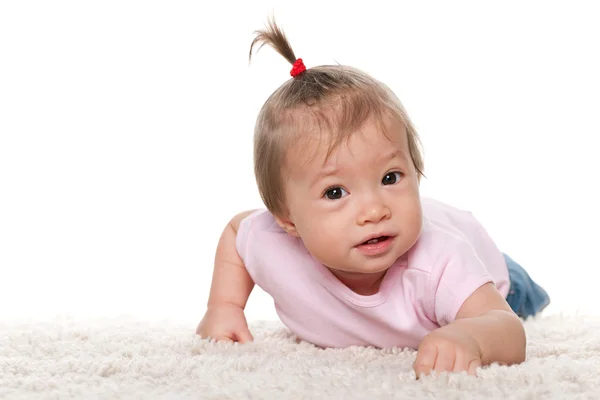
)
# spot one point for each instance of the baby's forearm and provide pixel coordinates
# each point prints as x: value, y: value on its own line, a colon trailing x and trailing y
x: 500, y: 335
x: 231, y: 283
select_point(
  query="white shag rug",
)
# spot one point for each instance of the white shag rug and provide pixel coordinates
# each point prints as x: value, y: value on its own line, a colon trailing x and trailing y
x: 125, y: 358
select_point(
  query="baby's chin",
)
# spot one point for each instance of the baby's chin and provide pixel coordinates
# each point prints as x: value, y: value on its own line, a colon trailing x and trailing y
x: 350, y: 264
x: 362, y: 271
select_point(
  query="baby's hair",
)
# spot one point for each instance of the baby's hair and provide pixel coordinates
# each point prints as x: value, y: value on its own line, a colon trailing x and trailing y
x: 331, y: 99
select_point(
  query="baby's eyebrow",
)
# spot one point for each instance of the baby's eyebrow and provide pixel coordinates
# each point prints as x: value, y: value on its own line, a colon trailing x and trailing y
x: 392, y: 154
x: 395, y: 153
x: 324, y: 173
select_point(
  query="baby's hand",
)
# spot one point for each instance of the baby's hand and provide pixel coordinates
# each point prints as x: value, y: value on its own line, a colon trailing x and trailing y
x: 226, y: 322
x: 448, y: 349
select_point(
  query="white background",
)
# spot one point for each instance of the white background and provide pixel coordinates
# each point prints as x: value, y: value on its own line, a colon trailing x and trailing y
x: 126, y: 137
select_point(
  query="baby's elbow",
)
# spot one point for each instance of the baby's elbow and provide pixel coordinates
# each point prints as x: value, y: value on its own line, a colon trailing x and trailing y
x: 521, y: 354
x: 520, y: 344
x: 514, y: 350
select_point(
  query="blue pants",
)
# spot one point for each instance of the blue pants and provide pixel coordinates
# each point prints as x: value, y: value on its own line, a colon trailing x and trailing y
x: 525, y: 297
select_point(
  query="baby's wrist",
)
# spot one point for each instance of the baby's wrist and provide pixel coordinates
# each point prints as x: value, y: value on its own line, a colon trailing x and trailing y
x: 216, y: 305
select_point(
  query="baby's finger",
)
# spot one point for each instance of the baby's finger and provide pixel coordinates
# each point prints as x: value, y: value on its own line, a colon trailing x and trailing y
x: 461, y: 362
x: 224, y: 338
x: 244, y: 337
x: 473, y: 365
x: 425, y: 361
x: 445, y: 359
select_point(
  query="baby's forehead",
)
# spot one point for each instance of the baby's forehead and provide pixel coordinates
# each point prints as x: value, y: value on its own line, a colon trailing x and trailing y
x: 321, y: 151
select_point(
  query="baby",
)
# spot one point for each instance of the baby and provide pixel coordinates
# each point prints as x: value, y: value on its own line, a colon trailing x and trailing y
x: 349, y: 250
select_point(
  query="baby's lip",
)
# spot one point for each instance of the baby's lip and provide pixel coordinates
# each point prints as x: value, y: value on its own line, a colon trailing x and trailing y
x: 375, y: 236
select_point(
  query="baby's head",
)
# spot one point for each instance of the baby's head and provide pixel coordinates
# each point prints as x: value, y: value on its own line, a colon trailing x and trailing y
x: 338, y: 162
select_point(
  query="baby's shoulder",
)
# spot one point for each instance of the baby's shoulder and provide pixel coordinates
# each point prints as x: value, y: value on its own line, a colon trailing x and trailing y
x: 271, y: 256
x: 261, y: 222
x: 436, y: 247
x: 260, y: 231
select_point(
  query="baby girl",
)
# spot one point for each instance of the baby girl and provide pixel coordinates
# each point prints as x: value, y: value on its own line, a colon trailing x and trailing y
x: 349, y: 250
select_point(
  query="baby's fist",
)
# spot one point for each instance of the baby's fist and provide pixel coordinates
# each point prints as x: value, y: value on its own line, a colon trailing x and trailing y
x: 225, y: 323
x: 448, y: 350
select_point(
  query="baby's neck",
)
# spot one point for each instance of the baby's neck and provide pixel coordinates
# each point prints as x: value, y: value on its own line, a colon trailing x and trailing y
x: 359, y: 283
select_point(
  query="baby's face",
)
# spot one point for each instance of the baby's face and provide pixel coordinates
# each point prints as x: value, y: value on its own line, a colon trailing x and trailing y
x: 367, y: 189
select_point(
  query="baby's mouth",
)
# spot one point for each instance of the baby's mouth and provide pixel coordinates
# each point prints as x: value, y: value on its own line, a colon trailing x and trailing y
x: 376, y: 240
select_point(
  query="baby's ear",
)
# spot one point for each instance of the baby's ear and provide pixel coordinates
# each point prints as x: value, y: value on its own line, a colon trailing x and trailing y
x: 287, y: 225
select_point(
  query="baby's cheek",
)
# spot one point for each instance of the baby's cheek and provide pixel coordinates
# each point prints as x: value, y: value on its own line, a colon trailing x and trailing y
x: 322, y: 243
x: 413, y: 222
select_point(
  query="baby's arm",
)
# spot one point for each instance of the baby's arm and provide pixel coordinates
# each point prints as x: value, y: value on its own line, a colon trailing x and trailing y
x: 231, y: 286
x: 493, y: 324
x: 485, y: 331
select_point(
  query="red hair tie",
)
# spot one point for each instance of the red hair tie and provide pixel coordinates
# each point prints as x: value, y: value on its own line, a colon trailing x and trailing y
x: 298, y: 68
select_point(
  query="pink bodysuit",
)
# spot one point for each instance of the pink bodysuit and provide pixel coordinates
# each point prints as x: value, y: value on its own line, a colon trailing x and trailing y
x: 420, y: 292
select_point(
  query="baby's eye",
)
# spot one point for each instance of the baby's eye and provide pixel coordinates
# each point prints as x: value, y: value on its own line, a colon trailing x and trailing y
x: 391, y: 177
x: 334, y: 193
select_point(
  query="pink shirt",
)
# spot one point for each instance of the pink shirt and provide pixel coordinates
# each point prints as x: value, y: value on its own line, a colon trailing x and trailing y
x: 420, y: 292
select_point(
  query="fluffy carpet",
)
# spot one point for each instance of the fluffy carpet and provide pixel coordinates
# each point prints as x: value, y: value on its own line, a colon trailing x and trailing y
x: 125, y: 358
